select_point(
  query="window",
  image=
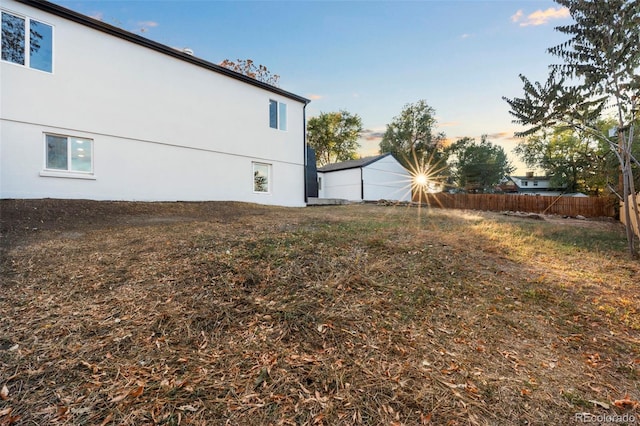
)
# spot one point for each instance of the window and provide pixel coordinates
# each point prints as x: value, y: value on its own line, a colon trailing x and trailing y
x: 319, y: 184
x: 261, y: 177
x: 525, y: 183
x: 69, y: 154
x: 273, y: 114
x: 282, y: 119
x: 277, y: 115
x: 535, y: 183
x: 18, y: 33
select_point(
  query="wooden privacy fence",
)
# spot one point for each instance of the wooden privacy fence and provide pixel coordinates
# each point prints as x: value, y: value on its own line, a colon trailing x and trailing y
x: 565, y: 206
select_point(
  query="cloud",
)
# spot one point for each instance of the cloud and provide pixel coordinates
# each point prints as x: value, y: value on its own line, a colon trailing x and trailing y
x: 315, y: 97
x: 371, y: 134
x: 499, y: 135
x: 465, y: 36
x: 540, y: 17
x: 145, y: 25
x: 149, y: 24
x: 448, y: 124
x: 97, y: 16
x: 519, y: 14
x: 505, y: 136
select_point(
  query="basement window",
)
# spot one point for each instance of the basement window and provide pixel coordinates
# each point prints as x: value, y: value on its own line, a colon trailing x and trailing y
x: 68, y: 154
x: 261, y: 177
x: 27, y: 42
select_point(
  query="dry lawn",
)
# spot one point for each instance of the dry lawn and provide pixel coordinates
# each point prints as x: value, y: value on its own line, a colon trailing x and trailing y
x: 229, y: 313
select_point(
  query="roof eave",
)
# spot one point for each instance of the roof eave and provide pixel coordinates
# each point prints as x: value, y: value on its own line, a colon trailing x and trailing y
x: 355, y: 166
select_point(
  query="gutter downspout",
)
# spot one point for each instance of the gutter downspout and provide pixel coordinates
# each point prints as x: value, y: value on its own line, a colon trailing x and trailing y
x: 304, y: 151
x: 362, y: 183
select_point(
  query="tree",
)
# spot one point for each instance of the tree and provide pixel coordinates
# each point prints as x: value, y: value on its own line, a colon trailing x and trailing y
x: 334, y: 136
x: 411, y: 137
x: 477, y: 167
x: 574, y: 162
x: 598, y: 74
x: 249, y: 68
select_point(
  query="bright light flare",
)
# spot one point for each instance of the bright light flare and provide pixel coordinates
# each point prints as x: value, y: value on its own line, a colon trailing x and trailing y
x: 425, y: 178
x: 420, y: 180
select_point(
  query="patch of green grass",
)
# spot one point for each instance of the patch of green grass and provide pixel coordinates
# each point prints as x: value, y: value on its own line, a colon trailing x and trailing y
x: 573, y: 397
x: 536, y: 295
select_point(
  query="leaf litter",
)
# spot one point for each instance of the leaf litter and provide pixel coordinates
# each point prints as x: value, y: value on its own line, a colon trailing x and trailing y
x: 201, y: 313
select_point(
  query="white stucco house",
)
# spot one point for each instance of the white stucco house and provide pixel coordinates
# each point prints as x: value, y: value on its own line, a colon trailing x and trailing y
x: 380, y: 177
x: 90, y: 111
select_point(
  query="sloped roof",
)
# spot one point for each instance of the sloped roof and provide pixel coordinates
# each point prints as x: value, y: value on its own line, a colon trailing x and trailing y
x: 150, y: 44
x: 538, y: 178
x: 352, y: 164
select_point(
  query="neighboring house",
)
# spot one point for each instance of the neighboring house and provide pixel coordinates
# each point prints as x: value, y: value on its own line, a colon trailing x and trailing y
x: 90, y: 111
x: 531, y: 185
x: 380, y: 177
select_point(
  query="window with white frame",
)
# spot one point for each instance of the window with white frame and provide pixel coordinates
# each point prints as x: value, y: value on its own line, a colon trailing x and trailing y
x: 277, y: 115
x: 68, y: 154
x: 261, y: 177
x: 27, y: 42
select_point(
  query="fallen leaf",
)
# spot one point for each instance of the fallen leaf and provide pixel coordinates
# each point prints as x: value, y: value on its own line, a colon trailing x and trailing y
x: 188, y: 408
x: 137, y: 392
x: 626, y: 402
x: 107, y: 419
x: 4, y: 393
x: 600, y: 404
x: 120, y: 397
x: 5, y: 411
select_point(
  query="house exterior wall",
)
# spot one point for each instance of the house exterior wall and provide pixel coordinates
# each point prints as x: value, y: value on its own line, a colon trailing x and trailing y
x: 532, y: 183
x: 386, y: 179
x: 162, y: 128
x: 341, y: 184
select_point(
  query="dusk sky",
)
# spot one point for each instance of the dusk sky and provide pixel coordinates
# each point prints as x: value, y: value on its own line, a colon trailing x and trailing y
x: 368, y: 57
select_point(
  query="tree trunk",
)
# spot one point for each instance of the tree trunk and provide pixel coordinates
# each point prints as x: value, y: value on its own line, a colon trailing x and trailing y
x: 627, y: 176
x: 632, y: 201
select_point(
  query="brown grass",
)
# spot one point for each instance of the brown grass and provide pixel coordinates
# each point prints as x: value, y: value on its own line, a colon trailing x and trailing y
x: 225, y: 313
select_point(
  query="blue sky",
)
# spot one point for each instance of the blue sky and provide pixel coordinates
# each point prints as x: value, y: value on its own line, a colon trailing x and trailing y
x: 368, y: 57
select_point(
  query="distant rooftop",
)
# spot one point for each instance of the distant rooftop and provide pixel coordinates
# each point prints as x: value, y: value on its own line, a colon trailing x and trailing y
x: 352, y: 164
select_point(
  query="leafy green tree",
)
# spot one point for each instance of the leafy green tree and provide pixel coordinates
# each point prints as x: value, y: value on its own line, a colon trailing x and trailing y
x: 477, y: 167
x: 573, y: 162
x: 598, y: 74
x: 250, y: 69
x: 334, y: 136
x: 411, y: 136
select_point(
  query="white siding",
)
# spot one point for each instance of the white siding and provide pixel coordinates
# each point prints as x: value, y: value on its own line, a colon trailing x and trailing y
x: 386, y: 179
x: 341, y: 184
x: 163, y: 129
